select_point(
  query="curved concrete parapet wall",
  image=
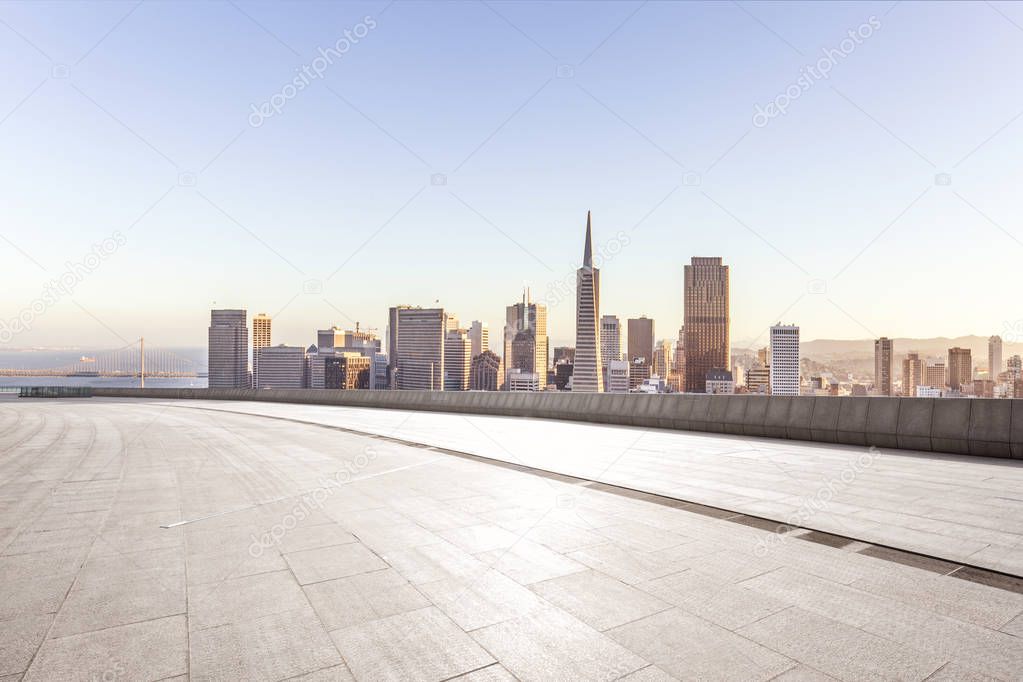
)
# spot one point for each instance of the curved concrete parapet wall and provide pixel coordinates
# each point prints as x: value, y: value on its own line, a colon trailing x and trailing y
x: 987, y: 428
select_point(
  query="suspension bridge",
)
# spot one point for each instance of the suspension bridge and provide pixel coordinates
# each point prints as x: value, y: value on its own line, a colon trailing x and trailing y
x: 133, y: 360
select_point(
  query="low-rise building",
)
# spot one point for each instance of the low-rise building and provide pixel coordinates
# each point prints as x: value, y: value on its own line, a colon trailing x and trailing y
x: 618, y: 376
x: 720, y: 382
x: 758, y: 380
x: 282, y: 367
x: 518, y: 379
x: 347, y: 371
x: 485, y: 372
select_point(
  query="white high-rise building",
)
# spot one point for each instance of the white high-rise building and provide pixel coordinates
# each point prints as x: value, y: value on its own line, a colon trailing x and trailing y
x: 587, y: 376
x: 419, y: 348
x: 457, y: 360
x: 994, y: 357
x: 479, y: 337
x: 784, y: 360
x: 610, y: 339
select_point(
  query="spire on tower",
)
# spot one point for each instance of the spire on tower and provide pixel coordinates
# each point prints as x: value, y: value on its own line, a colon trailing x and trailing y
x: 588, y: 249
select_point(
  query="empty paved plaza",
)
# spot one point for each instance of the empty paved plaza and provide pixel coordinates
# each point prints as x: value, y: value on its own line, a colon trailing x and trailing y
x: 152, y: 540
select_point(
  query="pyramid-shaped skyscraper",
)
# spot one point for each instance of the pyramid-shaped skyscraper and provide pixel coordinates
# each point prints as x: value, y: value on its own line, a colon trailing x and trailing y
x: 586, y: 374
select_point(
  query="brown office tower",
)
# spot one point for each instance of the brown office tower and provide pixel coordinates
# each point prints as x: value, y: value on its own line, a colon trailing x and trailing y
x: 960, y: 367
x: 640, y: 350
x: 706, y: 321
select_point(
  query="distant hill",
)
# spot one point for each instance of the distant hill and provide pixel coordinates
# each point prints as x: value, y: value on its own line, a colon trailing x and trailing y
x: 829, y: 349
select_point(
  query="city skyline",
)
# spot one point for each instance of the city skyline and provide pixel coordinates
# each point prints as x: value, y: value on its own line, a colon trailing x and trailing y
x: 429, y: 350
x: 294, y: 214
x: 764, y: 423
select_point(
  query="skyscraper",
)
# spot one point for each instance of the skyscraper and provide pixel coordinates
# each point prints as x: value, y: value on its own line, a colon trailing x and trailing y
x: 784, y: 360
x: 392, y: 344
x: 586, y: 373
x: 960, y: 367
x: 260, y: 339
x: 228, y: 350
x: 525, y: 338
x: 457, y: 360
x: 706, y: 320
x: 479, y: 337
x: 640, y: 351
x: 912, y: 374
x: 994, y: 357
x: 661, y: 365
x: 883, y: 366
x: 419, y: 356
x: 610, y: 339
x: 610, y: 345
x: 678, y: 364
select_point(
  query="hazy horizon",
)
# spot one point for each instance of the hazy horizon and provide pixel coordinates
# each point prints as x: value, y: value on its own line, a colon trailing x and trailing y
x: 449, y: 152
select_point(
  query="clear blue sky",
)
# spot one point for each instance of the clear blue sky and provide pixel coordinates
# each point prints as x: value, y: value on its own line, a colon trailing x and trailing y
x: 108, y: 106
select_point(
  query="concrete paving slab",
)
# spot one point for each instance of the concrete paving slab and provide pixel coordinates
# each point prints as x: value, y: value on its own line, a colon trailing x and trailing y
x: 119, y: 603
x: 481, y: 599
x: 717, y: 600
x: 337, y: 561
x: 153, y: 650
x: 19, y: 640
x: 345, y: 602
x: 688, y: 647
x: 238, y: 599
x: 799, y: 635
x: 33, y: 596
x: 550, y: 644
x: 422, y: 645
x: 274, y: 647
x: 599, y: 600
x: 492, y: 673
x: 528, y: 562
